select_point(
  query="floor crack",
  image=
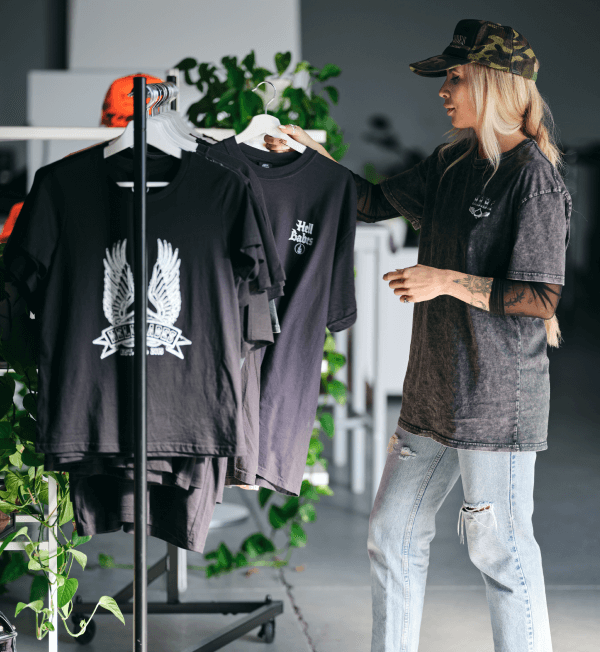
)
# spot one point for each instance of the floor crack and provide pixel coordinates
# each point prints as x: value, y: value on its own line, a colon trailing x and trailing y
x: 297, y: 610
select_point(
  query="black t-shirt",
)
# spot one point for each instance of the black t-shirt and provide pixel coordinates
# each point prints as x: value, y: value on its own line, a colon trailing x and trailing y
x: 71, y: 252
x: 311, y: 204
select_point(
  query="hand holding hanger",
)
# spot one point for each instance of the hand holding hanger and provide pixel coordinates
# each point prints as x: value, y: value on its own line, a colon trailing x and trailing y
x: 278, y: 144
x: 266, y: 124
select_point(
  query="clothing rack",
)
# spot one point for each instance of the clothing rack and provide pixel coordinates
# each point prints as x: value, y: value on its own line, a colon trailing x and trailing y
x: 260, y: 614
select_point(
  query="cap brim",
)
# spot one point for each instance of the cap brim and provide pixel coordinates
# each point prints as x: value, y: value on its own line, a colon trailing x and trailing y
x: 437, y: 66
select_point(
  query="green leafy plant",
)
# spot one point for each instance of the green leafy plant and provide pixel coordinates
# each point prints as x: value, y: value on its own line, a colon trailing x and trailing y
x: 25, y: 491
x: 228, y: 101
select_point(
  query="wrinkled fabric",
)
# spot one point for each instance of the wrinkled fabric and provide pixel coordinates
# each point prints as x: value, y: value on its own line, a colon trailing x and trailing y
x: 475, y: 379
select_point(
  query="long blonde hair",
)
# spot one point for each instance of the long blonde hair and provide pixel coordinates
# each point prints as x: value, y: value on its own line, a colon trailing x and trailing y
x: 507, y: 104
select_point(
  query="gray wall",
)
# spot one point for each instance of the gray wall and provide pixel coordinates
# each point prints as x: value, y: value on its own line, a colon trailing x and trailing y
x: 373, y: 42
x: 32, y: 37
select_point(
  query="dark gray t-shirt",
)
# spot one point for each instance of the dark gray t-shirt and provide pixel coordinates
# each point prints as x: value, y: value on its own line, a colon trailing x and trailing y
x: 311, y: 205
x: 476, y: 380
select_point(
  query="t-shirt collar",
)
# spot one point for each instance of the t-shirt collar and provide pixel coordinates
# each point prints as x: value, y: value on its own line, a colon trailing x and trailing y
x: 293, y: 162
x: 484, y: 162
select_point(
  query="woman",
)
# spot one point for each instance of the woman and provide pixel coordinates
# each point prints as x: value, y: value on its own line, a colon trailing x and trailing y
x: 494, y: 218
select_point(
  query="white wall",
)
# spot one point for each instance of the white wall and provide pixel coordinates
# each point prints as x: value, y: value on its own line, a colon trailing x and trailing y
x: 140, y: 34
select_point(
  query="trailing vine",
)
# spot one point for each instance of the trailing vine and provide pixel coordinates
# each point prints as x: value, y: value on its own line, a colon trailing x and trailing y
x: 25, y: 491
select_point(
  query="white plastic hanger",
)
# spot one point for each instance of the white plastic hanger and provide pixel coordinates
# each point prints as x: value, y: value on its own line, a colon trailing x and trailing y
x: 173, y: 123
x: 266, y: 124
x: 156, y: 134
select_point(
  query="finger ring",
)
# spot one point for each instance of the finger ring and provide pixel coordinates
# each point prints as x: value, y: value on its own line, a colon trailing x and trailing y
x: 293, y: 129
x: 405, y: 299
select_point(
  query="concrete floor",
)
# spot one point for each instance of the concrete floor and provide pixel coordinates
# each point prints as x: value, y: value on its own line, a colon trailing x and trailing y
x: 328, y: 605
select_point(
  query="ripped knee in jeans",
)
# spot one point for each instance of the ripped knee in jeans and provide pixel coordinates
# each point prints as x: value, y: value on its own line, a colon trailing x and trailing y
x: 405, y: 451
x: 472, y: 511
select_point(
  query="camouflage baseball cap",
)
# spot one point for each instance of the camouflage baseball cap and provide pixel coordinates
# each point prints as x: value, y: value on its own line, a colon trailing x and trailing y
x: 489, y: 44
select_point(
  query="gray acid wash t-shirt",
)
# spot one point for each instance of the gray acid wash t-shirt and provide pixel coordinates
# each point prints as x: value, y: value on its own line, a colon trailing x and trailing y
x: 476, y: 380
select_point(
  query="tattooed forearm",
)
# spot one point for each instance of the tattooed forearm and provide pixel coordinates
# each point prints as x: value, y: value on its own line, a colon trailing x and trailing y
x: 476, y: 292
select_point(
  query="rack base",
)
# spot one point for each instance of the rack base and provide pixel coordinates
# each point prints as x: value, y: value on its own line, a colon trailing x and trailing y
x: 260, y: 614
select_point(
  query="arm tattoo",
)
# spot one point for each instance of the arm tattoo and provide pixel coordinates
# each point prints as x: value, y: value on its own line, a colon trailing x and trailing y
x: 476, y: 285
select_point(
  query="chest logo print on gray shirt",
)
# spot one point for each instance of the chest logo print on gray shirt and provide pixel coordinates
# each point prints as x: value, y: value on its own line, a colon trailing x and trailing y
x: 481, y: 206
x: 163, y: 293
x: 300, y: 235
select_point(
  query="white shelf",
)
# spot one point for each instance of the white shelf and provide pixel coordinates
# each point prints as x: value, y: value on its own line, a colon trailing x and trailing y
x: 108, y: 133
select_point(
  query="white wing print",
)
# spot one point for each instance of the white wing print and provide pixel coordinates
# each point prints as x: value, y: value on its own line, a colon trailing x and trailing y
x: 118, y: 285
x: 163, y: 291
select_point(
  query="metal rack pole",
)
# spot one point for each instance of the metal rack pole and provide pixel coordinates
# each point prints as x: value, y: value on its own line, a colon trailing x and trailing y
x: 140, y: 596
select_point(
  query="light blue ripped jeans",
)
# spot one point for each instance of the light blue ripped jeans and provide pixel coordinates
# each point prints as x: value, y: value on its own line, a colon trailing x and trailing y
x: 496, y: 516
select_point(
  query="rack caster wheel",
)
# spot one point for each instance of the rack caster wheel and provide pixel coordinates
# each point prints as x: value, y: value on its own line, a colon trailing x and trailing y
x: 90, y: 631
x: 267, y: 631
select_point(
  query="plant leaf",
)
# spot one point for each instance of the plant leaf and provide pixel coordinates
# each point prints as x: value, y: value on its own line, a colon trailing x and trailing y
x: 187, y: 64
x: 324, y: 490
x: 39, y: 588
x: 11, y: 537
x: 16, y: 567
x: 66, y: 511
x: 110, y: 605
x: 308, y: 491
x: 328, y: 71
x: 20, y: 606
x: 66, y: 592
x: 276, y: 517
x: 27, y: 429
x: 338, y: 390
x: 30, y: 404
x: 290, y: 508
x: 15, y: 459
x: 76, y: 540
x: 263, y: 495
x: 32, y: 459
x: 224, y: 556
x: 327, y: 423
x: 333, y: 93
x: 329, y: 343
x: 249, y: 61
x: 81, y: 557
x: 308, y: 513
x: 297, y: 536
x: 282, y: 61
x: 7, y: 392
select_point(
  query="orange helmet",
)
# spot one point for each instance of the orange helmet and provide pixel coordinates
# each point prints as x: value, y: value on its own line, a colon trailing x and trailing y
x: 117, y: 109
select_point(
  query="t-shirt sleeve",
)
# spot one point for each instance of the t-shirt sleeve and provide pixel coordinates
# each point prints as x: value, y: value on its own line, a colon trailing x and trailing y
x: 524, y: 298
x: 29, y: 251
x: 247, y: 253
x: 372, y: 205
x: 406, y: 191
x: 342, y: 299
x: 541, y: 238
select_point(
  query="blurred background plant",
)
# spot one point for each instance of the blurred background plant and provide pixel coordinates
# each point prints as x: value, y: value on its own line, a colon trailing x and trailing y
x: 228, y: 102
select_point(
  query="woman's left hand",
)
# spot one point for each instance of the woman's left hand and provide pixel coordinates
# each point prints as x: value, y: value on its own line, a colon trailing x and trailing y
x: 418, y: 283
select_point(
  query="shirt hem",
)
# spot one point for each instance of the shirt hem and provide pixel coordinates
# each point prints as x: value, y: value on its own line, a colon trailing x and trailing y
x: 470, y: 445
x: 413, y: 219
x: 168, y: 450
x: 342, y: 323
x: 536, y: 276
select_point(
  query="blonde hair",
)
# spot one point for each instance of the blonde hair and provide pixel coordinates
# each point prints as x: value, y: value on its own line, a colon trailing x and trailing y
x: 507, y: 104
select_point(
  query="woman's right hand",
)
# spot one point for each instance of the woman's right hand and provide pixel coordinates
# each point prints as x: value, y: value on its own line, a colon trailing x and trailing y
x: 299, y: 135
